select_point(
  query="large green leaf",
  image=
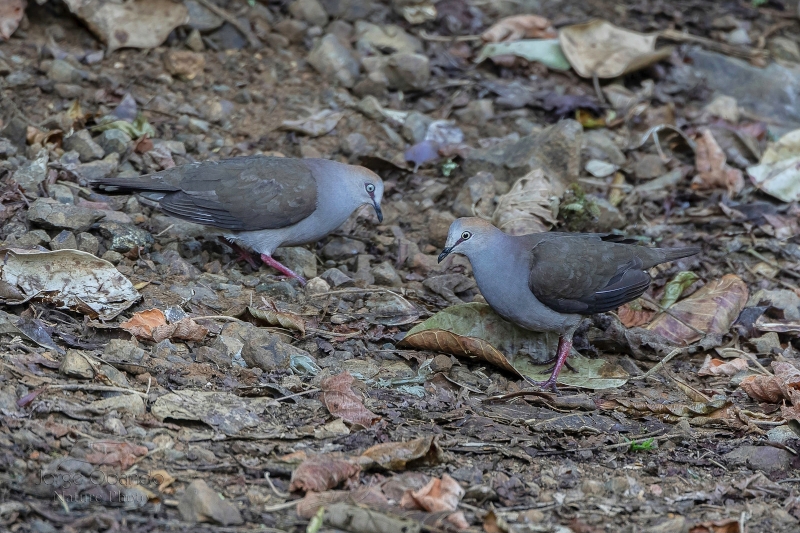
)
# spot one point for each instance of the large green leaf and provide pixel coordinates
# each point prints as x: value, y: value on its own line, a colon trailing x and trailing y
x: 545, y: 51
x: 473, y: 331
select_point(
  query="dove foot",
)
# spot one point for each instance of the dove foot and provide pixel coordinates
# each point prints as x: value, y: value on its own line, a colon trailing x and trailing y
x: 564, y: 346
x: 270, y: 262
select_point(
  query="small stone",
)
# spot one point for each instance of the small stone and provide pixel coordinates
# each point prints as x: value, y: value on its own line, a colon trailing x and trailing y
x: 32, y: 173
x: 228, y: 38
x: 217, y: 110
x: 64, y: 241
x: 202, y: 504
x: 195, y: 41
x: 593, y: 487
x: 294, y: 30
x: 68, y: 91
x: 125, y: 237
x: 125, y: 403
x: 51, y: 214
x: 114, y: 141
x: 608, y: 217
x: 374, y: 39
x: 316, y: 286
x: 676, y: 524
x: 724, y: 107
x: 350, y: 10
x: 477, y: 112
x: 648, y: 167
x: 178, y: 266
x: 278, y: 289
x: 415, y: 127
x: 75, y: 365
x: 98, y: 169
x: 374, y: 84
x: 113, y: 257
x: 201, y: 18
x: 438, y: 226
x: 340, y: 248
x: 262, y: 348
x: 781, y: 434
x: 385, y: 274
x: 64, y: 72
x: 739, y: 37
x: 765, y: 458
x: 298, y: 259
x: 766, y: 342
x: 336, y: 278
x: 407, y: 72
x: 88, y: 243
x: 307, y: 151
x: 7, y: 148
x: 276, y: 41
x: 19, y: 79
x: 310, y: 11
x: 476, y: 195
x: 81, y: 141
x: 115, y: 426
x: 441, y: 363
x: 124, y: 352
x: 355, y: 144
x: 334, y: 60
x: 61, y: 193
x: 37, y: 237
x: 784, y: 48
x: 184, y: 63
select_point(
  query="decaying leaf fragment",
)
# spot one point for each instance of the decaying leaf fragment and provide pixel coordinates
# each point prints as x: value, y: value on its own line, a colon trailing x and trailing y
x: 713, y: 170
x: 152, y: 325
x: 712, y: 309
x: 633, y: 314
x: 69, y: 279
x: 370, y: 496
x: 323, y: 472
x: 121, y: 454
x: 438, y: 495
x: 317, y: 124
x: 518, y: 27
x: 397, y: 455
x: 528, y: 206
x: 718, y: 367
x: 274, y: 317
x: 717, y: 411
x: 11, y: 13
x: 341, y: 401
x: 784, y: 384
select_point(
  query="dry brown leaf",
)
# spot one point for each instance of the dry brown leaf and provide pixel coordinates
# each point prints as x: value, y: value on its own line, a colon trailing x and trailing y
x: 440, y: 340
x: 162, y: 477
x: 143, y: 323
x: 712, y: 309
x: 713, y: 170
x: 284, y: 319
x: 371, y: 497
x: 397, y: 455
x: 438, y: 495
x: 341, y: 401
x: 762, y: 388
x: 11, y: 12
x: 122, y: 454
x: 632, y: 314
x: 526, y: 208
x: 519, y: 27
x: 323, y: 472
x: 718, y: 367
x: 36, y: 136
x: 598, y: 48
x: 730, y: 525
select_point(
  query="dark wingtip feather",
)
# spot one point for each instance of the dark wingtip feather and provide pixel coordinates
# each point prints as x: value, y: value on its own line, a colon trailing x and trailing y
x: 671, y: 254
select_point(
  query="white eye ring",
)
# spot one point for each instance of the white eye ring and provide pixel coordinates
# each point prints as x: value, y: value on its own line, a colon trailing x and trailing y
x: 466, y: 235
x: 370, y: 187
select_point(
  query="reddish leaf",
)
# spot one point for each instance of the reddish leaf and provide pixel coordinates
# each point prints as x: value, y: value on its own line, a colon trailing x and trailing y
x: 120, y: 454
x: 341, y: 401
x: 718, y: 367
x: 11, y: 12
x: 713, y: 170
x: 519, y: 27
x: 143, y: 323
x: 632, y: 314
x: 323, y: 473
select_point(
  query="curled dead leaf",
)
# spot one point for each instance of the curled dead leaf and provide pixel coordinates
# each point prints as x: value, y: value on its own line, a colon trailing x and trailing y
x: 518, y: 27
x: 11, y: 13
x: 143, y: 323
x: 784, y: 384
x: 397, y: 455
x: 632, y: 314
x: 283, y: 319
x: 371, y: 497
x: 122, y: 454
x: 718, y: 367
x: 323, y: 472
x: 713, y: 170
x: 438, y: 495
x: 527, y: 207
x: 712, y: 309
x: 341, y: 401
x: 152, y: 325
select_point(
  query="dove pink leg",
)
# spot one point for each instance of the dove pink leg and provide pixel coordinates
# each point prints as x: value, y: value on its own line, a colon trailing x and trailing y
x: 564, y: 347
x: 270, y: 262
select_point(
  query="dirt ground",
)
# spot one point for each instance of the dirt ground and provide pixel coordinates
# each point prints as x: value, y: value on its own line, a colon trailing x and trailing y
x: 207, y: 431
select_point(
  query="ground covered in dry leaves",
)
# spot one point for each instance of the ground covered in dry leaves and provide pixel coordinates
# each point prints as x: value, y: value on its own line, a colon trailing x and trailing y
x: 151, y: 381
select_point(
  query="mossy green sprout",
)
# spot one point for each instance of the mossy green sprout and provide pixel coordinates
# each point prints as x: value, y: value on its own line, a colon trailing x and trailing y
x: 647, y: 445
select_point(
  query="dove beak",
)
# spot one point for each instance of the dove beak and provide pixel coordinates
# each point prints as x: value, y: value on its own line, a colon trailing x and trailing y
x: 444, y: 254
x: 378, y: 211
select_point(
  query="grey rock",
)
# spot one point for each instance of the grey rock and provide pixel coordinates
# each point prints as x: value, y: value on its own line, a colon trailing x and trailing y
x: 556, y: 150
x: 68, y: 91
x: 784, y: 299
x: 114, y: 141
x: 164, y: 350
x: 355, y: 144
x: 75, y: 365
x: 782, y: 434
x: 98, y: 169
x: 374, y: 39
x: 385, y: 274
x: 15, y: 131
x: 282, y: 290
x: 608, y: 217
x: 349, y: 10
x: 765, y: 458
x: 200, y: 503
x: 125, y: 237
x: 126, y: 403
x: 415, y: 127
x: 64, y: 241
x: 63, y: 72
x: 7, y: 148
x: 124, y: 352
x: 8, y: 399
x: 309, y: 10
x: 201, y: 18
x: 178, y: 266
x: 342, y: 248
x: 406, y: 72
x: 261, y: 348
x: 478, y: 191
x: 766, y: 342
x: 373, y: 84
x: 175, y: 147
x: 37, y: 237
x: 438, y: 224
x: 61, y: 193
x: 113, y: 257
x: 597, y: 144
x: 228, y: 38
x: 316, y: 286
x: 677, y: 524
x: 294, y: 30
x: 648, y: 167
x: 343, y: 30
x: 55, y: 215
x: 784, y: 48
x: 88, y: 243
x: 19, y: 79
x: 195, y: 41
x: 334, y: 60
x: 336, y: 278
x: 298, y: 259
x: 477, y: 112
x: 81, y: 141
x: 216, y: 111
x: 32, y: 173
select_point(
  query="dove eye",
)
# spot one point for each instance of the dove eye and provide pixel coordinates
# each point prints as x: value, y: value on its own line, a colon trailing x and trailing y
x: 466, y: 235
x: 370, y: 188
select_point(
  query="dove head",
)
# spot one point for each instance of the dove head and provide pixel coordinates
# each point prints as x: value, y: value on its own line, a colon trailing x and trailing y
x: 467, y: 236
x: 364, y: 187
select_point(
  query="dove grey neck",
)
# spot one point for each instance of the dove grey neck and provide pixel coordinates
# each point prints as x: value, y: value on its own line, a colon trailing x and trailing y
x: 502, y: 270
x: 335, y: 203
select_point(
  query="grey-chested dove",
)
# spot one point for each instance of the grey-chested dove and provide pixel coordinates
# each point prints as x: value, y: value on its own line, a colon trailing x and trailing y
x: 545, y: 281
x: 258, y: 201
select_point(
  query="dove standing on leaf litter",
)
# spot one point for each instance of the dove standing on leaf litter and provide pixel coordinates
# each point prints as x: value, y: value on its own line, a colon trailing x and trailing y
x: 546, y: 281
x: 261, y: 202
